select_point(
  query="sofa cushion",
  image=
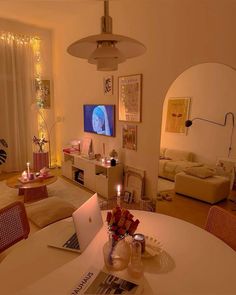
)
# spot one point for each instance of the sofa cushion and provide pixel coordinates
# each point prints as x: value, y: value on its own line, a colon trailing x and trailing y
x: 200, y: 172
x: 49, y: 210
x: 178, y: 155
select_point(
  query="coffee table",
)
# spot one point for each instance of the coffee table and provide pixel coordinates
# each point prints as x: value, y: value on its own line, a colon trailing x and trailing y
x: 33, y: 190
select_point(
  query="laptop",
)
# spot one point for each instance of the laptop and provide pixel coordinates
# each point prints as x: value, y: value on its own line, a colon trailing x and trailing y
x: 76, y: 235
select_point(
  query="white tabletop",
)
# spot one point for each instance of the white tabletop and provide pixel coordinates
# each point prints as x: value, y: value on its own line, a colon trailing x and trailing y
x: 193, y: 262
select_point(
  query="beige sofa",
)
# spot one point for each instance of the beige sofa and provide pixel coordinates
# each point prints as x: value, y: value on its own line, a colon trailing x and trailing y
x: 174, y: 161
x: 210, y: 189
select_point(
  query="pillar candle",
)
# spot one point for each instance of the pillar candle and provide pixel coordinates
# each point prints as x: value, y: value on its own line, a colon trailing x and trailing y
x: 28, y: 168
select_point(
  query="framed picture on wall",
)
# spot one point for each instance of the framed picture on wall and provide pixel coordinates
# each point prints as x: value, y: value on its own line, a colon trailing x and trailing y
x: 177, y: 114
x: 129, y: 137
x: 108, y: 85
x: 129, y: 98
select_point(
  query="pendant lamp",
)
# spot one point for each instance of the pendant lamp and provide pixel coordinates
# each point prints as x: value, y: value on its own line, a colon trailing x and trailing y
x: 106, y: 50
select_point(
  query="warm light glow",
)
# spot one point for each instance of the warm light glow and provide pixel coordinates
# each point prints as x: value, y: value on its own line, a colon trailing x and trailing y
x: 24, y: 175
x: 118, y: 190
x: 36, y: 45
x: 19, y: 39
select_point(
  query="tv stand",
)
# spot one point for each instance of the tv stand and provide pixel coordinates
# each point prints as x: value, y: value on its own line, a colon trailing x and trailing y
x: 93, y: 174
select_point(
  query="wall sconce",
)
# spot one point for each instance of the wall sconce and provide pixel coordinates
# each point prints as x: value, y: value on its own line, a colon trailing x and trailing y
x: 189, y: 123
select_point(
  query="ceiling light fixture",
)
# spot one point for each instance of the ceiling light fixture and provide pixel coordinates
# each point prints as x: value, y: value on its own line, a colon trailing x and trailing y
x: 106, y: 50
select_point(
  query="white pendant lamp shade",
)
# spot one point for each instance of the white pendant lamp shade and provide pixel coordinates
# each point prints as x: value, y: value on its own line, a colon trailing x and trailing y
x: 106, y: 50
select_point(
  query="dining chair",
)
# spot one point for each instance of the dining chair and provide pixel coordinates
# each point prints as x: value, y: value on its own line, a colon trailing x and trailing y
x: 14, y: 225
x: 222, y: 224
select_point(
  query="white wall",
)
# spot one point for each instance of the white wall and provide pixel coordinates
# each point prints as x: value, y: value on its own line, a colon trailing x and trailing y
x: 16, y: 27
x: 211, y: 88
x: 178, y: 34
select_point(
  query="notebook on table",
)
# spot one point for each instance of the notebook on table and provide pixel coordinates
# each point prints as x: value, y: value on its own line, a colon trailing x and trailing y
x: 87, y: 221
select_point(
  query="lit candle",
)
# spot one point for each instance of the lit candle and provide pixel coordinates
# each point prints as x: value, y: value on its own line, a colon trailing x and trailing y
x: 118, y: 195
x: 118, y: 190
x: 28, y: 168
x: 24, y: 175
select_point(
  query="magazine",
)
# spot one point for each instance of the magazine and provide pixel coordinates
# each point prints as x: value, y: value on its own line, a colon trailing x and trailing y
x: 99, y: 282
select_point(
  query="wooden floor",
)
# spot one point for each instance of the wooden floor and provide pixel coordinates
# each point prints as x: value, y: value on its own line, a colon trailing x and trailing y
x: 189, y: 209
x: 182, y: 207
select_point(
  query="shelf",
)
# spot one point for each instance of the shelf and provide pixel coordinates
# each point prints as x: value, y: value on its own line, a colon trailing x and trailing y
x: 92, y: 174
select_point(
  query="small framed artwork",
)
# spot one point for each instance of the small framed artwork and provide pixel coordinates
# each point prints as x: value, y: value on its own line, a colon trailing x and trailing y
x: 129, y: 137
x: 177, y: 114
x: 108, y: 85
x: 86, y: 146
x: 134, y: 182
x: 128, y: 197
x: 129, y: 98
x: 43, y: 93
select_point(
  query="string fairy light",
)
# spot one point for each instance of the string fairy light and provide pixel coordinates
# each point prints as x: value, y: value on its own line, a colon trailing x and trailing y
x: 35, y: 43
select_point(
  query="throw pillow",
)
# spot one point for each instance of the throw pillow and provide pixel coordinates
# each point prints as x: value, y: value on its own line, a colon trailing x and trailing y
x: 49, y: 210
x: 201, y: 172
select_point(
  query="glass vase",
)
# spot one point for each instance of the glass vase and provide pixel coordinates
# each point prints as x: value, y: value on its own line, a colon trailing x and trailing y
x: 116, y: 254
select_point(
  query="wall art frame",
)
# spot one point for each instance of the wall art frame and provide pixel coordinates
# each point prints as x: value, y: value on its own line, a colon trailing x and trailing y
x: 129, y: 136
x: 130, y: 98
x: 177, y: 114
x: 134, y: 182
x: 108, y: 85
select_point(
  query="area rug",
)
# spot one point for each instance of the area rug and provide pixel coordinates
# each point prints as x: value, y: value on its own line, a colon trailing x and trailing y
x: 61, y: 189
x: 165, y: 185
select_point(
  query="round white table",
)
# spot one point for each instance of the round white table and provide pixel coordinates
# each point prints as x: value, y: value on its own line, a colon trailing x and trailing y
x: 193, y: 262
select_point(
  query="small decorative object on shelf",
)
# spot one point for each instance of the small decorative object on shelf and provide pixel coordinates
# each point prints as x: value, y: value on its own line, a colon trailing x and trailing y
x: 113, y: 154
x: 117, y: 250
x: 40, y: 142
x: 113, y: 162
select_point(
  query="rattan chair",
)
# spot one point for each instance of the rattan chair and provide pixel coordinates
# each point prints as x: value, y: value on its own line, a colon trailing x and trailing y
x: 222, y: 224
x: 14, y: 225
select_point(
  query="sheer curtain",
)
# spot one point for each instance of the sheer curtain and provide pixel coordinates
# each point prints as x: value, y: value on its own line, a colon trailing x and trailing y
x: 16, y: 97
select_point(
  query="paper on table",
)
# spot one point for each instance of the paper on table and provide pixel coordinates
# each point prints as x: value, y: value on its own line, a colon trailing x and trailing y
x: 100, y: 282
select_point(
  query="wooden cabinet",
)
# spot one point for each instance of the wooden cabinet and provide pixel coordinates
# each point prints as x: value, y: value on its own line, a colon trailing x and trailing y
x: 98, y: 177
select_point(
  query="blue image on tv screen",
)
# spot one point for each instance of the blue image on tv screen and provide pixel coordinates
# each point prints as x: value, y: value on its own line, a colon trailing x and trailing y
x: 99, y: 119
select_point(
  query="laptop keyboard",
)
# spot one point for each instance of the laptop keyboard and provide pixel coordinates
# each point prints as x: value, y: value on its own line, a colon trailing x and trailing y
x: 72, y: 242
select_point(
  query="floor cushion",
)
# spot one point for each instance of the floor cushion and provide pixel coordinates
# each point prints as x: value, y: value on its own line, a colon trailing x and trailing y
x: 49, y: 210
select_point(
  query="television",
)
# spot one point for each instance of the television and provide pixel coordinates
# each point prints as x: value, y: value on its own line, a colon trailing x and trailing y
x: 99, y: 119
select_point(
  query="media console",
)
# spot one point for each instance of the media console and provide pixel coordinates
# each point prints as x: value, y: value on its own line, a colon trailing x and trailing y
x: 93, y: 174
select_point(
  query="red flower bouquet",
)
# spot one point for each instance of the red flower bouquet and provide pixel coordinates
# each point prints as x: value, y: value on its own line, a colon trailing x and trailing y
x: 120, y: 223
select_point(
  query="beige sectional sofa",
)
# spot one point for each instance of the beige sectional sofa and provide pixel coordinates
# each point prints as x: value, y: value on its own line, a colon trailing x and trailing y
x: 174, y: 161
x: 210, y: 189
